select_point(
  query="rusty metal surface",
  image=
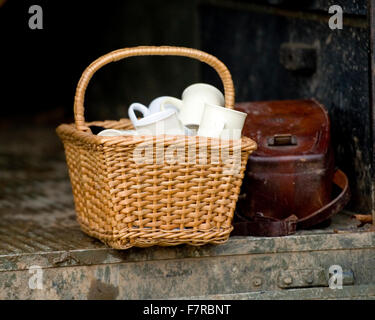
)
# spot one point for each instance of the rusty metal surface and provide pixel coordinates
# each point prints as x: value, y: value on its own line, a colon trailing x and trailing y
x: 38, y: 227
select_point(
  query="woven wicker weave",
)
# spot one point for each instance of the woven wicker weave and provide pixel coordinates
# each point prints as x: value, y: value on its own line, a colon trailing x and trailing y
x: 125, y: 202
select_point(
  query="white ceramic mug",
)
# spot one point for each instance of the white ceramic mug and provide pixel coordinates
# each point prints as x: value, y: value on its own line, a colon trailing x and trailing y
x: 163, y: 122
x: 191, y: 106
x: 140, y: 108
x: 153, y: 107
x: 155, y: 104
x: 220, y: 122
x: 115, y: 132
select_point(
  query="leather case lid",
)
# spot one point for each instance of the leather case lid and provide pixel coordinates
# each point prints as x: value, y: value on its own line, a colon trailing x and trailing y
x: 287, y: 128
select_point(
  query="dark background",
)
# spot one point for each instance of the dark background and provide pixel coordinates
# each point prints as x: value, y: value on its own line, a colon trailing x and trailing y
x: 39, y: 69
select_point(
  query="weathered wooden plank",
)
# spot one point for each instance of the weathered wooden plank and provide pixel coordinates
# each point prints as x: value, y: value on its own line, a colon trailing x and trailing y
x: 262, y: 275
x: 364, y: 292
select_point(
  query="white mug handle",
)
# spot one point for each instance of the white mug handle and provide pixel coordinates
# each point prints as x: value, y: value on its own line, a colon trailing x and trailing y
x: 137, y: 107
x: 173, y: 101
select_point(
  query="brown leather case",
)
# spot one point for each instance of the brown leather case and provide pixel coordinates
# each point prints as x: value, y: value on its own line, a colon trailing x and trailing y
x: 289, y: 178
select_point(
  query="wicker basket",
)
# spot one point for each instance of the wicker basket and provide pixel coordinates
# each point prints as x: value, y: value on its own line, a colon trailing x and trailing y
x: 125, y: 202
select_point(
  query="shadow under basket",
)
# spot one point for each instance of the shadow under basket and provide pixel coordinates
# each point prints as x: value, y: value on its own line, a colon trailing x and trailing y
x: 153, y: 190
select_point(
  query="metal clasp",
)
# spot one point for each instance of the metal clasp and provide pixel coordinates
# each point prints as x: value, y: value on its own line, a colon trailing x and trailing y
x: 282, y: 140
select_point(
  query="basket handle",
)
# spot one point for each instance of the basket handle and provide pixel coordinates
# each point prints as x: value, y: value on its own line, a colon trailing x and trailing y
x: 116, y: 55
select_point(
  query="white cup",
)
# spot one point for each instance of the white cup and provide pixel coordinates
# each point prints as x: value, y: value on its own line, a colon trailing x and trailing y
x: 140, y: 108
x: 155, y: 104
x: 154, y: 107
x: 115, y: 132
x: 163, y: 122
x: 190, y: 108
x: 220, y: 122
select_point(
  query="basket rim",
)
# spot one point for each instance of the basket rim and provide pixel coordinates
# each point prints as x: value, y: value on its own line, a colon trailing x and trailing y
x: 69, y: 129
